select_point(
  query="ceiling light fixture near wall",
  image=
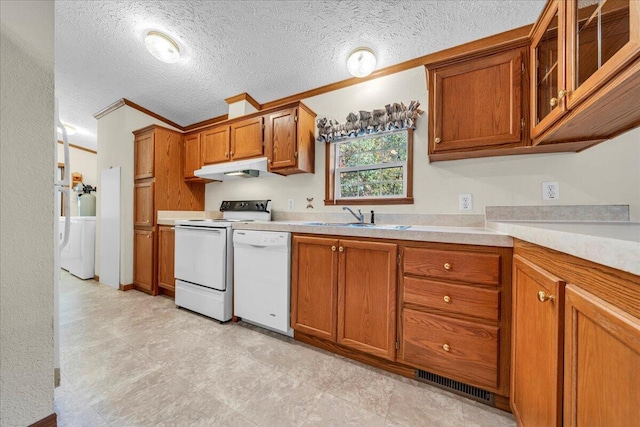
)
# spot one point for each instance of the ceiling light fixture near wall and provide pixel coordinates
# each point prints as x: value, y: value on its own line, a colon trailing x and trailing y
x: 162, y: 47
x: 361, y: 62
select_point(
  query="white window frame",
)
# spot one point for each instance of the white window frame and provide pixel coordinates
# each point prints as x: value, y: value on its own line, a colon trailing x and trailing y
x: 402, y: 164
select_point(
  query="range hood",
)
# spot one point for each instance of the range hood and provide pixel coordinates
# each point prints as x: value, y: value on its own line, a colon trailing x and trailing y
x: 250, y: 168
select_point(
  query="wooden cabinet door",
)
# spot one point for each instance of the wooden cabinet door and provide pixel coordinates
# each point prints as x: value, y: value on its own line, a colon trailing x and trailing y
x: 367, y: 297
x: 215, y: 145
x: 166, y: 246
x: 548, y: 87
x: 314, y: 286
x: 602, y: 38
x: 191, y: 155
x: 144, y: 155
x: 537, y: 344
x: 246, y: 139
x: 281, y: 139
x: 477, y: 104
x: 143, y: 260
x: 144, y: 213
x: 602, y: 362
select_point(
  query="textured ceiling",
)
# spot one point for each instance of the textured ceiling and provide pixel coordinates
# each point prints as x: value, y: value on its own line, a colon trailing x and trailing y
x: 269, y: 49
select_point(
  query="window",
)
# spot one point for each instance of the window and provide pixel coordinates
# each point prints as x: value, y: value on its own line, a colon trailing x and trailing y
x: 372, y: 169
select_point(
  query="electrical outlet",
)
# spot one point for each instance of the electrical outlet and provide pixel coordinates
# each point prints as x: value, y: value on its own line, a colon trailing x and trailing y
x: 550, y: 191
x: 465, y: 202
x: 291, y: 204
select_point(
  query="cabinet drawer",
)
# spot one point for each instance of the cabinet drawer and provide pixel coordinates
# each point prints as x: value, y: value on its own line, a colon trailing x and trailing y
x: 469, y: 300
x: 473, y: 267
x: 458, y: 349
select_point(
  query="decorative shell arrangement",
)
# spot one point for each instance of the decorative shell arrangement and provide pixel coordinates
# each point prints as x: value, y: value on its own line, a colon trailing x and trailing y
x: 393, y: 116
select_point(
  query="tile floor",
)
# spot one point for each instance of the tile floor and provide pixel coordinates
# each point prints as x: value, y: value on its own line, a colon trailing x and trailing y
x: 128, y: 359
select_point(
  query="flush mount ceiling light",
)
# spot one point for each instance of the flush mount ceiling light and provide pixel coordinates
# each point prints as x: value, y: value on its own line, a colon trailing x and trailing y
x: 70, y: 129
x: 361, y: 62
x: 162, y: 47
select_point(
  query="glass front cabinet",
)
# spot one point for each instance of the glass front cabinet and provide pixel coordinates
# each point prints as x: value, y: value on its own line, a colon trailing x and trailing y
x: 577, y: 47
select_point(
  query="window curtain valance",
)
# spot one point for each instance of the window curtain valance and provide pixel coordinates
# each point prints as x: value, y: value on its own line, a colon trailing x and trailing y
x: 393, y: 117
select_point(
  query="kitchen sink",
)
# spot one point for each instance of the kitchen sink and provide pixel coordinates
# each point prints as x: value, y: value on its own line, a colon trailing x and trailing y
x: 359, y: 225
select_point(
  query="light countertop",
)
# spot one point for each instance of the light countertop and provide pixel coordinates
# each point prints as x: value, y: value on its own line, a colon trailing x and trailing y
x: 614, y: 244
x: 462, y: 235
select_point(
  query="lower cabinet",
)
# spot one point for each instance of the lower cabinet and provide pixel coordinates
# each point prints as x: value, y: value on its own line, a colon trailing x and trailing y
x: 602, y: 362
x: 143, y: 247
x: 455, y: 313
x: 536, y: 368
x: 576, y: 347
x: 166, y: 245
x: 344, y: 291
x: 314, y: 286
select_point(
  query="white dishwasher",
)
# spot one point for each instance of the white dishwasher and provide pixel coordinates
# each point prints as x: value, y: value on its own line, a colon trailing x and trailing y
x: 262, y: 274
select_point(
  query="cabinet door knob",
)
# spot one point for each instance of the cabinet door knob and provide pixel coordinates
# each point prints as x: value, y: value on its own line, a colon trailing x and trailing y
x: 226, y: 154
x: 231, y: 153
x: 447, y: 299
x: 270, y: 161
x: 447, y: 266
x: 544, y: 297
x: 561, y: 94
x: 341, y: 249
x: 438, y: 140
x: 148, y: 235
x: 333, y: 248
x: 446, y: 347
x: 553, y: 102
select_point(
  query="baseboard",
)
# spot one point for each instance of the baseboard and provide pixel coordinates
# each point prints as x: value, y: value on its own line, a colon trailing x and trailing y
x: 126, y: 287
x: 50, y: 421
x: 56, y: 377
x: 96, y: 278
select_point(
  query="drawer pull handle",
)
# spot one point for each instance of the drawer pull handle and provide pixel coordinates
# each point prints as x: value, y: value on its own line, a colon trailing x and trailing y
x: 543, y: 297
x: 446, y: 347
x: 333, y: 248
x: 447, y: 299
x: 447, y: 266
x: 341, y: 249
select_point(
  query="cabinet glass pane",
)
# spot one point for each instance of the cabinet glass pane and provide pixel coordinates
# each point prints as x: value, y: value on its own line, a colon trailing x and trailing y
x: 547, y: 71
x: 602, y: 30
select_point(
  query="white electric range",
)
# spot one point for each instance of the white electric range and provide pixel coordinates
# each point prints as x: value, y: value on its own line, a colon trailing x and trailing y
x: 204, y: 258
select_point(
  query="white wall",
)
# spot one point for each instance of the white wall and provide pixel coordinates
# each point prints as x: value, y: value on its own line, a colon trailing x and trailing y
x: 26, y: 214
x: 115, y: 148
x: 84, y: 162
x: 606, y: 174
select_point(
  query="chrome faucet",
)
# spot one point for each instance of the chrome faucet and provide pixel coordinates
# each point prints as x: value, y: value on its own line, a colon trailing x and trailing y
x: 359, y: 217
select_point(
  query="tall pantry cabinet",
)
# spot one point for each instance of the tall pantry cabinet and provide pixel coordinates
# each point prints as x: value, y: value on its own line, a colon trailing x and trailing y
x: 158, y: 185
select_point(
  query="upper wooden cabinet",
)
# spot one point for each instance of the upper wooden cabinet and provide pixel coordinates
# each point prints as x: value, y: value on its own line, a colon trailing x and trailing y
x: 144, y: 154
x: 214, y: 145
x: 290, y: 140
x: 192, y: 159
x: 586, y: 76
x: 478, y: 103
x: 247, y: 139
